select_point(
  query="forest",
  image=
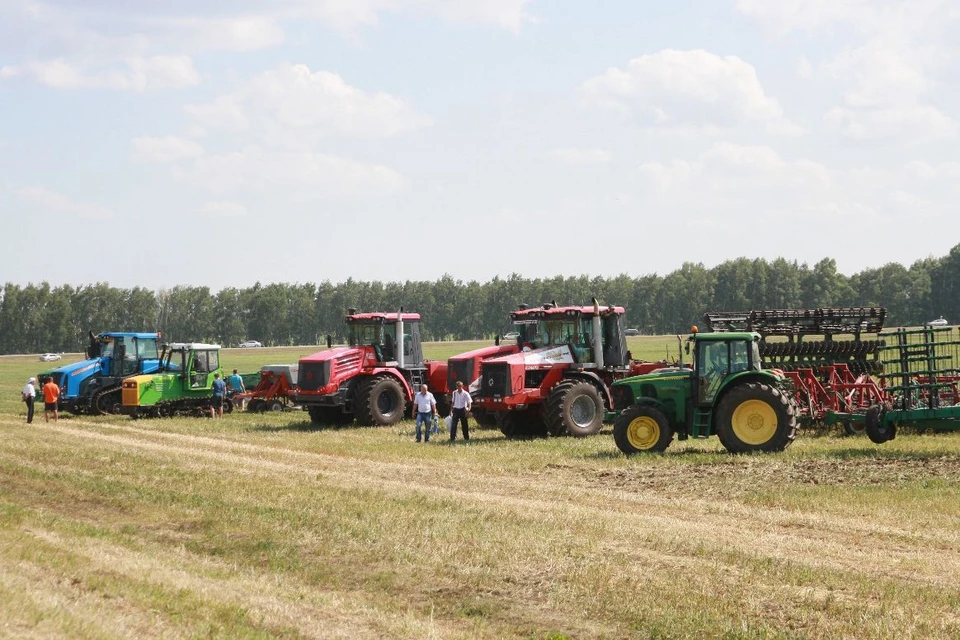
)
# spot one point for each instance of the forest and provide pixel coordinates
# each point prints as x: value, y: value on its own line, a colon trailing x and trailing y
x: 38, y: 317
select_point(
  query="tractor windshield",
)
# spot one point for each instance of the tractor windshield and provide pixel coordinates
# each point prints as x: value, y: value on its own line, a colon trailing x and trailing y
x: 361, y: 334
x: 577, y: 331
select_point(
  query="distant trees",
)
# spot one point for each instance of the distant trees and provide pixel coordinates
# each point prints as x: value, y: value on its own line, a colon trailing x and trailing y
x: 38, y: 317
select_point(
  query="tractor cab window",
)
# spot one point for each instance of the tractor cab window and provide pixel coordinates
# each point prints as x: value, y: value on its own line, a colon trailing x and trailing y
x: 557, y: 332
x: 147, y: 348
x: 389, y: 342
x: 528, y: 333
x: 106, y: 350
x: 200, y: 362
x: 175, y: 361
x: 365, y: 334
x: 713, y: 364
x: 739, y: 356
x: 213, y: 360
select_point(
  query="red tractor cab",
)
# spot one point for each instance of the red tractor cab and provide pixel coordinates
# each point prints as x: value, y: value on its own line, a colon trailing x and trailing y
x: 374, y: 377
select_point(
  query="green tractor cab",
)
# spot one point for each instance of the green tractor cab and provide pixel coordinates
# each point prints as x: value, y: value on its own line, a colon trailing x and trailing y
x: 183, y: 385
x: 726, y: 393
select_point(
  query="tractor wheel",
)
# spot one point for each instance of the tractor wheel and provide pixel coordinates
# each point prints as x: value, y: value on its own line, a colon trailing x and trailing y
x: 257, y: 405
x: 756, y: 417
x: 380, y: 401
x: 641, y: 429
x: 851, y: 428
x: 876, y: 430
x: 227, y: 406
x: 443, y: 405
x: 519, y: 425
x: 574, y: 407
x: 274, y: 405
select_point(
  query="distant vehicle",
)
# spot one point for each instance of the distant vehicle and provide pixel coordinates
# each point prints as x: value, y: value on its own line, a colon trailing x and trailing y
x: 49, y: 357
x: 631, y: 332
x: 249, y: 344
x: 939, y: 322
x: 513, y: 335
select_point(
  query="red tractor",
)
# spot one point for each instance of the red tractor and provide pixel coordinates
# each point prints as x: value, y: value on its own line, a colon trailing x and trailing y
x: 373, y: 378
x: 558, y: 379
x: 465, y: 367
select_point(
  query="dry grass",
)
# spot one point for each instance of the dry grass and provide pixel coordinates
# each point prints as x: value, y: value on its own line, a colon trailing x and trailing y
x: 260, y: 526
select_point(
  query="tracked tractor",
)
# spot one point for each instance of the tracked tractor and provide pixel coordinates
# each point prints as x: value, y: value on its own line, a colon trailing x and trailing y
x: 183, y: 385
x: 558, y: 381
x: 727, y: 393
x: 93, y: 385
x: 372, y: 378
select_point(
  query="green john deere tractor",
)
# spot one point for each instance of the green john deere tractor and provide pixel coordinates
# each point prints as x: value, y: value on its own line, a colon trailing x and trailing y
x: 725, y: 392
x: 182, y: 386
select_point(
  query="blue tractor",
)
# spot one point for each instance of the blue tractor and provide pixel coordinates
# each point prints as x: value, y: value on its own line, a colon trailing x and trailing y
x: 93, y: 385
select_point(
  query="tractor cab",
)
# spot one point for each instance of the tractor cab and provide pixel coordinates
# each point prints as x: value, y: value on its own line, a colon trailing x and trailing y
x: 195, y: 362
x: 124, y: 354
x: 591, y: 335
x: 717, y: 357
x: 390, y: 337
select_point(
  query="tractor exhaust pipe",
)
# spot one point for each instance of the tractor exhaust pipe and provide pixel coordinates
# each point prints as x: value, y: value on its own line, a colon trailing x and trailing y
x: 597, y: 335
x: 400, y: 339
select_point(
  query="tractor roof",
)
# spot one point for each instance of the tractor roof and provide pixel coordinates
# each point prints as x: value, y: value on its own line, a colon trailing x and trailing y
x: 550, y: 311
x: 191, y: 346
x: 729, y: 336
x: 380, y: 317
x: 128, y: 334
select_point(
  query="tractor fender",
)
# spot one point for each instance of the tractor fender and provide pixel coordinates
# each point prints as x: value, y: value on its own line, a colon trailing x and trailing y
x: 407, y: 389
x: 596, y: 381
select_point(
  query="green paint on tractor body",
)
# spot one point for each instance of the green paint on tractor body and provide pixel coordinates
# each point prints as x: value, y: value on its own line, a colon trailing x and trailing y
x: 184, y: 383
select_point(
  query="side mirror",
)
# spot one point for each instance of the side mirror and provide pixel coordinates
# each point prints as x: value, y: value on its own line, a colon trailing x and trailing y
x: 329, y: 341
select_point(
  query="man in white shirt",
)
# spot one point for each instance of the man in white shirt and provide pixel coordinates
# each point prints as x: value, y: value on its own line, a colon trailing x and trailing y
x: 461, y: 403
x: 424, y: 407
x: 29, y: 394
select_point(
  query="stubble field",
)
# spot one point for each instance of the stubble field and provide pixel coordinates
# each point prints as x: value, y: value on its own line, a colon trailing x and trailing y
x: 260, y: 526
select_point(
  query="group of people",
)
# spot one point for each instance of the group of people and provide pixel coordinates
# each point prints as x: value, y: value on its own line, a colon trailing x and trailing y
x: 51, y: 398
x: 425, y: 409
x: 222, y: 395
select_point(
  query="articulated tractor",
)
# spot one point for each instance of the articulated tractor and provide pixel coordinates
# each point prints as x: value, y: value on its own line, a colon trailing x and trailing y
x: 374, y: 377
x: 183, y: 385
x: 558, y: 379
x: 93, y: 385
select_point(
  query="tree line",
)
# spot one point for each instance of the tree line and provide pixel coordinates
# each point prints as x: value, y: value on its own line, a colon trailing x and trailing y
x: 37, y: 317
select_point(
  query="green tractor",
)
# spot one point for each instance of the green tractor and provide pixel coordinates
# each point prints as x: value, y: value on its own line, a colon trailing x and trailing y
x: 182, y: 386
x: 725, y: 392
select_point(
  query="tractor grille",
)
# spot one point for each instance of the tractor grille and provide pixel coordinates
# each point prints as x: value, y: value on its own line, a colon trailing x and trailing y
x: 460, y: 371
x: 314, y: 375
x: 495, y: 380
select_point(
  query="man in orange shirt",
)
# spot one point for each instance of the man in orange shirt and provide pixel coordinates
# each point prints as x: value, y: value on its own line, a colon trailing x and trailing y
x: 51, y: 393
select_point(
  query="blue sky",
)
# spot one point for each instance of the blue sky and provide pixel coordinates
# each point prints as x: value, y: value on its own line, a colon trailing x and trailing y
x: 404, y: 139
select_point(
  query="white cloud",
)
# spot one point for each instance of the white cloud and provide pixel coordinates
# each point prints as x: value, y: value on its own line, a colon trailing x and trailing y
x: 581, y: 156
x: 296, y: 175
x: 223, y: 209
x: 165, y: 149
x: 55, y: 203
x: 688, y: 88
x: 912, y: 123
x: 784, y: 16
x: 141, y: 74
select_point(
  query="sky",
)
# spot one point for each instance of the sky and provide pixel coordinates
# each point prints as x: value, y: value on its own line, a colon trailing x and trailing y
x: 223, y: 143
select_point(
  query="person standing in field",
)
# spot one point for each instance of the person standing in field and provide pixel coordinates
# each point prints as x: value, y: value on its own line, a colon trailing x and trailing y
x: 461, y: 403
x: 236, y: 385
x: 424, y: 407
x: 51, y: 395
x: 29, y: 395
x: 219, y: 393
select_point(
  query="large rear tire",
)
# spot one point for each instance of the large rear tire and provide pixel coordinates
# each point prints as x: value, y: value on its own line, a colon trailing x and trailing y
x: 642, y: 429
x: 756, y: 417
x: 380, y: 401
x: 574, y: 407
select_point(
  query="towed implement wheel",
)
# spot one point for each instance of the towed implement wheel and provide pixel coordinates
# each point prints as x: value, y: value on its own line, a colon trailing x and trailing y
x: 756, y: 417
x: 274, y: 405
x: 228, y: 406
x: 851, y: 428
x: 641, y: 429
x: 877, y: 431
x: 257, y: 405
x: 519, y: 425
x: 574, y: 407
x: 380, y: 401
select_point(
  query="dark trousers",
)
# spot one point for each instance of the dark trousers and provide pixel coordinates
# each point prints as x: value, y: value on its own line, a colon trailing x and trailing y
x: 459, y: 415
x: 29, y: 410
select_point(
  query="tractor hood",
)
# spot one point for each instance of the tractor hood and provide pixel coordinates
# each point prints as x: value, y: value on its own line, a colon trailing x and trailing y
x: 465, y: 367
x: 322, y: 372
x: 664, y: 373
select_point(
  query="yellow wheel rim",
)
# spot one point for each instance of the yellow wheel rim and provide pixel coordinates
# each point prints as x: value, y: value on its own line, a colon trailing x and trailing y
x: 643, y: 432
x: 754, y: 422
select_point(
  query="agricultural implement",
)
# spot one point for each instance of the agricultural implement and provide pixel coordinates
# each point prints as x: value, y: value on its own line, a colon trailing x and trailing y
x: 274, y: 391
x: 831, y: 355
x: 372, y: 379
x: 93, y: 385
x: 726, y: 393
x: 558, y: 379
x: 183, y: 385
x: 919, y: 382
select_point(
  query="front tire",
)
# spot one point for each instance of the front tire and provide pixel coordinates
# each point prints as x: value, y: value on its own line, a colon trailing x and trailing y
x: 756, y: 417
x: 380, y: 401
x: 642, y: 429
x: 574, y: 407
x: 876, y: 430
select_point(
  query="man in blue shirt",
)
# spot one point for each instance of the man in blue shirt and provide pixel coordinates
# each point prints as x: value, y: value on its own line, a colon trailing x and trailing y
x: 219, y: 393
x: 236, y: 386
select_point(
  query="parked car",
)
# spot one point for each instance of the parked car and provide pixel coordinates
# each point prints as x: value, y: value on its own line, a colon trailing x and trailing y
x: 939, y: 322
x: 249, y: 344
x: 513, y: 335
x: 49, y: 357
x: 631, y: 332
